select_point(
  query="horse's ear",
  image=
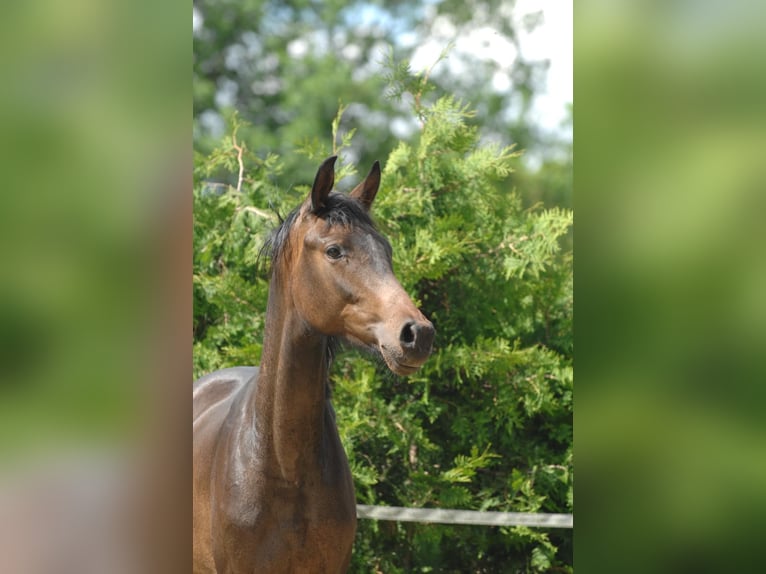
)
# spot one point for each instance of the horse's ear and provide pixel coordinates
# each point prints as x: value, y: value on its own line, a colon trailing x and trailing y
x: 323, y: 183
x: 366, y: 190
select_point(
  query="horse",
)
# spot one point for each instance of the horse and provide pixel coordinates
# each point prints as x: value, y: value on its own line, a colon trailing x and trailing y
x: 273, y: 490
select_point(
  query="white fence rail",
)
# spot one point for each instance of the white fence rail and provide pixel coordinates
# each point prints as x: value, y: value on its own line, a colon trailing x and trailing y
x: 448, y: 516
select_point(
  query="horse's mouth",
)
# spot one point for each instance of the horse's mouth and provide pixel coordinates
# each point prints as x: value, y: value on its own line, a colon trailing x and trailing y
x: 395, y: 364
x: 393, y: 357
x: 402, y: 369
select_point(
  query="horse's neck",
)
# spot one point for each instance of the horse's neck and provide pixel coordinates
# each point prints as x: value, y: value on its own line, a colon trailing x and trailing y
x: 289, y: 401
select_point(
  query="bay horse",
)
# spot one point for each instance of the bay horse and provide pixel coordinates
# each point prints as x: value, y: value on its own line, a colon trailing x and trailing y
x: 272, y: 489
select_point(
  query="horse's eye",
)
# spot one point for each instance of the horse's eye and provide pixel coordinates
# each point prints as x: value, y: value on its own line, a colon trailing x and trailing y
x: 334, y: 252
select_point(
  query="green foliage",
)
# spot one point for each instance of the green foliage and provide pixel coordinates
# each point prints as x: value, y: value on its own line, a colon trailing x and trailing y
x: 486, y: 424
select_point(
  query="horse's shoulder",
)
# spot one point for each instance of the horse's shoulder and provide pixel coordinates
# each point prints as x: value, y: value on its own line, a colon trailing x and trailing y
x: 220, y: 386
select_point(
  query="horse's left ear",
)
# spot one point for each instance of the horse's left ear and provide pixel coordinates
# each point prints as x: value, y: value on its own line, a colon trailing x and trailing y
x: 365, y: 192
x: 323, y: 182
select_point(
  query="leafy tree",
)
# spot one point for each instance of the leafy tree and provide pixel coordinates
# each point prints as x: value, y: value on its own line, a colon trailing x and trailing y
x: 487, y: 423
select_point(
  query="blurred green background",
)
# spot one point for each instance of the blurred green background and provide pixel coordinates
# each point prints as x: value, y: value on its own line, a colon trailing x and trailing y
x: 93, y: 106
x: 670, y: 286
x: 95, y: 261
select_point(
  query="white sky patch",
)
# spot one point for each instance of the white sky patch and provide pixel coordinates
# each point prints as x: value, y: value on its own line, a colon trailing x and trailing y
x: 441, y: 33
x: 298, y: 48
x: 196, y: 20
x: 551, y: 40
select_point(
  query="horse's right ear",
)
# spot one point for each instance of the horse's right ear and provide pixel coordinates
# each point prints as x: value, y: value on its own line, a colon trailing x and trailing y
x: 323, y: 183
x: 365, y: 192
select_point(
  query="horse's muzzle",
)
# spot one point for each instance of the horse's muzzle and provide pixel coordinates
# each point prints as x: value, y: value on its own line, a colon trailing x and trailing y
x: 407, y: 355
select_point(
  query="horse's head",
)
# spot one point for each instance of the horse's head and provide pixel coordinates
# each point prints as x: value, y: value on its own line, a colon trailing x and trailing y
x: 341, y: 277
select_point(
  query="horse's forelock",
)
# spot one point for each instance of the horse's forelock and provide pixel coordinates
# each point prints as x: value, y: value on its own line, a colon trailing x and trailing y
x: 341, y: 209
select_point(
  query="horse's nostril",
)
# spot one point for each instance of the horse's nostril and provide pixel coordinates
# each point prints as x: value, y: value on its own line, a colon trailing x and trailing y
x: 407, y: 336
x: 417, y: 337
